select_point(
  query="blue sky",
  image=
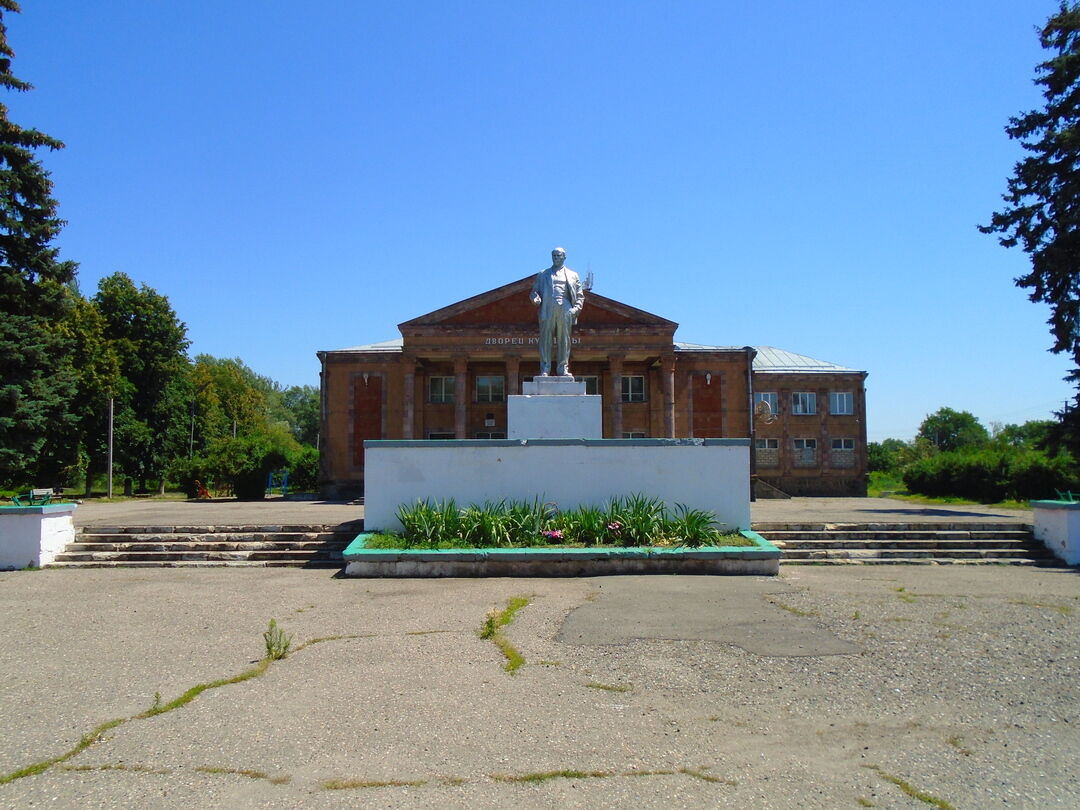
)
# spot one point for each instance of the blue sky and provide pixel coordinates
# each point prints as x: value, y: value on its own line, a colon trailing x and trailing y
x: 806, y: 175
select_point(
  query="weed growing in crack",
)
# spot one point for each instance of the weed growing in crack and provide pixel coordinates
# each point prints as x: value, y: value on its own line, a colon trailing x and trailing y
x: 910, y: 790
x: 489, y: 630
x: 250, y: 774
x: 350, y: 784
x: 277, y: 642
x: 546, y: 776
x: 98, y: 732
x: 610, y: 687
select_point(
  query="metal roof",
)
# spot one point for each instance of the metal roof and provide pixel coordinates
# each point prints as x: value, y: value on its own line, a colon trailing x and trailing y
x: 768, y: 358
x: 773, y: 359
x: 383, y: 346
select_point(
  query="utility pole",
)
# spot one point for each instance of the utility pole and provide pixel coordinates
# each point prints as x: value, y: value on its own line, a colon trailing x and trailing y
x: 110, y: 445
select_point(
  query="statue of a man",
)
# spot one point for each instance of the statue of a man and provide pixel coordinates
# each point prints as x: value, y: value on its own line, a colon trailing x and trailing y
x: 557, y: 291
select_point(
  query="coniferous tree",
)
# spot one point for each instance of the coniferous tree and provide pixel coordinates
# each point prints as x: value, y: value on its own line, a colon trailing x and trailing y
x: 36, y: 378
x: 1042, y: 214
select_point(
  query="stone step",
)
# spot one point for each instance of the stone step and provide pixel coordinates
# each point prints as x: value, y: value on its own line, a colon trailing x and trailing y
x: 922, y: 561
x: 789, y: 536
x: 298, y: 556
x: 188, y: 537
x: 353, y: 526
x: 307, y: 537
x: 197, y: 564
x: 944, y: 545
x: 913, y: 553
x: 963, y: 526
x: 253, y: 545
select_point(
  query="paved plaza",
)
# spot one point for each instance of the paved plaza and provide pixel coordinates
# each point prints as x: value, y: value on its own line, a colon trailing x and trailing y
x: 820, y: 688
x: 276, y: 511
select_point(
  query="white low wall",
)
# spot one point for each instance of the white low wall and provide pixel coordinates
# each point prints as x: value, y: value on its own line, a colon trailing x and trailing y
x: 34, y: 535
x: 1057, y: 526
x: 712, y: 474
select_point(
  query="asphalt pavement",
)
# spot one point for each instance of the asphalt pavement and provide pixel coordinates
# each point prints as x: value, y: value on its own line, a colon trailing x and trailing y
x: 819, y: 688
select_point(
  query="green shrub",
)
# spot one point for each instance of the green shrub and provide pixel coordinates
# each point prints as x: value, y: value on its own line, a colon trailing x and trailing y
x: 990, y: 474
x: 303, y: 466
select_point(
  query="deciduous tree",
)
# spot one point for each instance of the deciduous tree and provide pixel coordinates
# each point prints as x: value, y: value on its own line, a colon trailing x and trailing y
x: 951, y: 430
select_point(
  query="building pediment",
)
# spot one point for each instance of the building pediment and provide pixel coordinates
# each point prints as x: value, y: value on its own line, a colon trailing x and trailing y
x: 509, y: 306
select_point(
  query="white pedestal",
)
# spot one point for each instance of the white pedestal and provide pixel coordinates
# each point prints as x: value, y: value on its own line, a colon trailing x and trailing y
x: 1057, y: 525
x: 554, y: 416
x: 34, y: 535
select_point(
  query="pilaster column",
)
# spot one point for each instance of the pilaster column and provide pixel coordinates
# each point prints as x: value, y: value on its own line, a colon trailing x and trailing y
x: 461, y: 397
x: 667, y: 384
x: 513, y: 368
x: 615, y: 363
x: 408, y: 397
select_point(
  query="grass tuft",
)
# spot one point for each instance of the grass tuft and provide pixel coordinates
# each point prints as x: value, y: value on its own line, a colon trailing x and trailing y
x: 352, y: 784
x: 699, y: 773
x: 495, y: 620
x: 546, y: 776
x: 610, y: 687
x: 910, y: 790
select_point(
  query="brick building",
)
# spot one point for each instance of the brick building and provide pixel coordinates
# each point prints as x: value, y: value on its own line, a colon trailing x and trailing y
x: 449, y: 374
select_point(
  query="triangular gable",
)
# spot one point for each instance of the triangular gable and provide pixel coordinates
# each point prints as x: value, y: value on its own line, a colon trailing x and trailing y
x: 510, y: 305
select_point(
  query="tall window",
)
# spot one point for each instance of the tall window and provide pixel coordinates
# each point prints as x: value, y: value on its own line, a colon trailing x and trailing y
x: 633, y: 388
x: 841, y: 403
x: 490, y: 389
x: 768, y: 397
x: 804, y: 402
x: 592, y: 383
x: 440, y: 389
x: 805, y: 452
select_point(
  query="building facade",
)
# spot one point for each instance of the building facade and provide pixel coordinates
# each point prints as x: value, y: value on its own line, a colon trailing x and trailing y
x: 448, y: 376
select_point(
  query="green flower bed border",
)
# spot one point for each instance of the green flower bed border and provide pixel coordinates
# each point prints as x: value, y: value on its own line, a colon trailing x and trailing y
x: 761, y: 549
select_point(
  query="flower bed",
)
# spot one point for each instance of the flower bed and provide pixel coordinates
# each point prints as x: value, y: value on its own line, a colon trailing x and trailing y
x: 632, y: 521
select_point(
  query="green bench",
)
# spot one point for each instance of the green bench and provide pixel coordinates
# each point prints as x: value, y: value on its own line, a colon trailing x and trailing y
x: 35, y: 497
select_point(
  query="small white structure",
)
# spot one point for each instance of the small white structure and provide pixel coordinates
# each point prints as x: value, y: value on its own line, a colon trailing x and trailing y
x: 1057, y: 526
x: 34, y: 535
x: 710, y: 474
x: 554, y: 408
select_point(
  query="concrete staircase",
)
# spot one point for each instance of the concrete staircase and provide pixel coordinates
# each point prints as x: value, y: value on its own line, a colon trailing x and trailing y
x: 308, y: 546
x: 963, y: 543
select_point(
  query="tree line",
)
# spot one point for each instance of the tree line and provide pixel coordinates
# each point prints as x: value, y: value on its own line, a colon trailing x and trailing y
x: 954, y: 454
x: 65, y: 357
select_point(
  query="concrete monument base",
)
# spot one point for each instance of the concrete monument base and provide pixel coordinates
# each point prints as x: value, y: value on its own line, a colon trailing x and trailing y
x: 32, y: 536
x: 1057, y: 526
x: 554, y: 408
x: 709, y: 474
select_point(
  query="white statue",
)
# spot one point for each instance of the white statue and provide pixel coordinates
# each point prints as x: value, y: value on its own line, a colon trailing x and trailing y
x: 557, y: 291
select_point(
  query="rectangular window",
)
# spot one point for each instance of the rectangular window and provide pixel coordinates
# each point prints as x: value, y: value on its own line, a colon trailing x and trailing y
x: 805, y: 453
x: 843, y: 453
x: 440, y: 389
x: 633, y: 434
x: 841, y: 403
x: 633, y: 388
x: 490, y: 435
x: 440, y: 435
x: 490, y: 389
x: 592, y: 383
x: 767, y: 452
x: 804, y: 402
x: 768, y: 397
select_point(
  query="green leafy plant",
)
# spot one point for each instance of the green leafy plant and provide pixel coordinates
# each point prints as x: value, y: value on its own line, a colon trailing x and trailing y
x: 277, y: 642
